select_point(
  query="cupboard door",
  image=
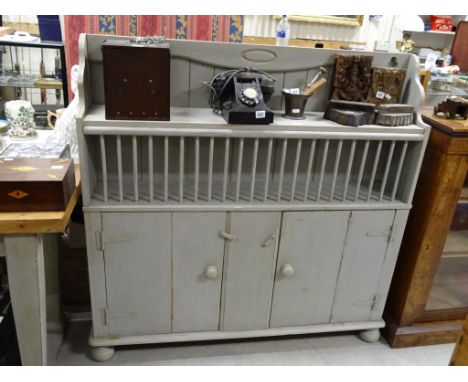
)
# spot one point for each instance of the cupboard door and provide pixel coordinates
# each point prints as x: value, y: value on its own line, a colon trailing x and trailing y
x: 249, y: 270
x: 308, y: 262
x: 197, y: 256
x: 137, y: 257
x: 363, y: 258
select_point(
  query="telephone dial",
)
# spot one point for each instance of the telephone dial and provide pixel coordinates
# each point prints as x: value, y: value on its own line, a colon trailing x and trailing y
x: 240, y: 96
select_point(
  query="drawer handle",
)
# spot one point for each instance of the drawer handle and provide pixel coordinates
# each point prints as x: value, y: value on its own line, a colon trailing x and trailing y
x: 287, y: 270
x: 211, y: 272
x: 269, y: 241
x: 227, y: 236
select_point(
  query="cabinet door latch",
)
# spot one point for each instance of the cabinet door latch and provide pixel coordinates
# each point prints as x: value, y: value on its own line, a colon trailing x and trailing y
x: 269, y: 241
x: 385, y: 233
x: 99, y: 243
x: 227, y: 236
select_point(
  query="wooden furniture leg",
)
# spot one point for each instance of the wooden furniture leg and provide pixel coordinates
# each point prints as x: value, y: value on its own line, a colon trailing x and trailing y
x: 25, y: 263
x: 460, y: 354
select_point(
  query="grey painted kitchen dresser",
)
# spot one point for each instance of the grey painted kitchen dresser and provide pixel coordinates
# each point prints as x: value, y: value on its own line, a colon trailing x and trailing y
x: 200, y: 230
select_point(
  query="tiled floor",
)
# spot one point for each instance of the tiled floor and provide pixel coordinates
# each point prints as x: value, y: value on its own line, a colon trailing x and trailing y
x: 327, y: 349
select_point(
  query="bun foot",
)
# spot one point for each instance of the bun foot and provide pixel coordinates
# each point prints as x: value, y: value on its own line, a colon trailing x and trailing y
x: 371, y: 335
x: 102, y: 354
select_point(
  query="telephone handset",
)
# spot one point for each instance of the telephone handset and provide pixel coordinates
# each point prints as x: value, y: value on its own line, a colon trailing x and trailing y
x: 240, y: 96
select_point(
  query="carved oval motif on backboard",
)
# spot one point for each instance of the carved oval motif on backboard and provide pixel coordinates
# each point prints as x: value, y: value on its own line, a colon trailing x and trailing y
x: 258, y: 56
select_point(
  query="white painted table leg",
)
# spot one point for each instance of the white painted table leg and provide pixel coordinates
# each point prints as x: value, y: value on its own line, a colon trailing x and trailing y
x: 25, y: 264
x: 54, y: 317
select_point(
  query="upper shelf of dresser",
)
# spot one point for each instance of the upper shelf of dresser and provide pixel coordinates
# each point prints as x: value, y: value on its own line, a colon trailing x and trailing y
x: 195, y: 62
x: 203, y: 122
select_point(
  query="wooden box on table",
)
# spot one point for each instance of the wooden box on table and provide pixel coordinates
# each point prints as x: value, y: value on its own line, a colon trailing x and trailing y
x: 35, y: 184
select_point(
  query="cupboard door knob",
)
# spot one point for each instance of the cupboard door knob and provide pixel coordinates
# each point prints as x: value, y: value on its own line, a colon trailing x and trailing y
x: 287, y: 270
x: 211, y: 272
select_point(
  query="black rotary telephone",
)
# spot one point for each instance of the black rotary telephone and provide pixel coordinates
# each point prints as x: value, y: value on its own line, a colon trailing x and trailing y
x: 240, y: 96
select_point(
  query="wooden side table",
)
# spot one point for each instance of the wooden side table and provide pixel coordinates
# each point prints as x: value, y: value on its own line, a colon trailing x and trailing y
x: 419, y: 310
x: 31, y: 237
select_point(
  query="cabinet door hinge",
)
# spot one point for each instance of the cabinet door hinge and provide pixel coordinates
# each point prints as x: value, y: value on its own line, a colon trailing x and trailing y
x: 99, y: 243
x: 389, y: 238
x: 375, y: 302
x: 104, y: 316
x: 387, y: 234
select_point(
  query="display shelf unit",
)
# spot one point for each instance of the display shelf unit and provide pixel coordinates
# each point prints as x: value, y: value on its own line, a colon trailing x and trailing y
x: 197, y: 229
x: 432, y: 33
x: 432, y: 39
x: 26, y: 56
x: 41, y: 45
x: 43, y: 85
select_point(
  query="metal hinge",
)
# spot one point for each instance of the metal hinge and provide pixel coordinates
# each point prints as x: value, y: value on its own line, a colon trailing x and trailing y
x: 99, y: 243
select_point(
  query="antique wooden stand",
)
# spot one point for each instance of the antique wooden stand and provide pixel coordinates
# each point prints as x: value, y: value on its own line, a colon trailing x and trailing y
x: 442, y: 177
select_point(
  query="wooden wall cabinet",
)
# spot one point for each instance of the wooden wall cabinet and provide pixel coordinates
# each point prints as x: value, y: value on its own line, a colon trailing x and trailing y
x: 200, y: 230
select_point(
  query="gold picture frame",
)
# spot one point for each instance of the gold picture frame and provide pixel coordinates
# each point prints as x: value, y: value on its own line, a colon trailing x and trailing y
x: 349, y: 21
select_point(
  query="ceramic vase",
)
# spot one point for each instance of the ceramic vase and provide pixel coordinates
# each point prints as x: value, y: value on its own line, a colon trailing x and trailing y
x: 20, y: 114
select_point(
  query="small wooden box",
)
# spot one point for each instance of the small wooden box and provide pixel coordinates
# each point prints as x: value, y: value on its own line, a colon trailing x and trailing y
x: 36, y: 184
x: 136, y: 80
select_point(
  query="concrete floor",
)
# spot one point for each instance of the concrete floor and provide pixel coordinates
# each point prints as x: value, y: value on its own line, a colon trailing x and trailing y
x: 313, y: 350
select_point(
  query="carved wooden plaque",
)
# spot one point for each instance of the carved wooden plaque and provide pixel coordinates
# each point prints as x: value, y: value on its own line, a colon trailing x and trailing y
x: 387, y: 85
x: 352, y: 78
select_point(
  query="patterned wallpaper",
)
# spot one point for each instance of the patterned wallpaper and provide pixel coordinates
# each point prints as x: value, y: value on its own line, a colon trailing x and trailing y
x: 208, y: 28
